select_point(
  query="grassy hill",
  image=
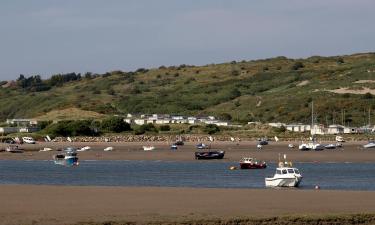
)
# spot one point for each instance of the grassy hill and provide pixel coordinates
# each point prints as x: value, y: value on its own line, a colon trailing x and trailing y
x: 277, y: 89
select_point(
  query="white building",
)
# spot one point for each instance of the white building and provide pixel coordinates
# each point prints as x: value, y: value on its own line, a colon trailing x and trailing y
x: 335, y: 129
x: 298, y: 127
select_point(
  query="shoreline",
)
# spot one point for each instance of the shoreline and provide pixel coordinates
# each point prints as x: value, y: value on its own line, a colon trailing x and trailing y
x: 234, y: 151
x: 41, y: 204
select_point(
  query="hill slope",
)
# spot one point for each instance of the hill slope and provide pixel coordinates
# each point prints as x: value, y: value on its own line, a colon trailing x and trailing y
x: 277, y: 89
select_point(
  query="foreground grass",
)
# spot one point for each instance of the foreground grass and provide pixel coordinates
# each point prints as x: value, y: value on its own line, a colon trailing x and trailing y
x: 365, y: 219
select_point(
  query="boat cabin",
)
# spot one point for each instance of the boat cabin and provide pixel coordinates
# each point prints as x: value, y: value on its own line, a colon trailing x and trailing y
x: 287, y: 170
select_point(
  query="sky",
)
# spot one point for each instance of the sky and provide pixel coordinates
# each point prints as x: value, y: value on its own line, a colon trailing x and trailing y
x: 48, y: 37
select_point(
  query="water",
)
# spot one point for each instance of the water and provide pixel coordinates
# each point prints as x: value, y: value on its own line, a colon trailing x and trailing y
x: 208, y: 174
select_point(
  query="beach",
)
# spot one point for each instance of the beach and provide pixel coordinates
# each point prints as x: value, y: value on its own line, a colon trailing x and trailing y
x: 43, y: 204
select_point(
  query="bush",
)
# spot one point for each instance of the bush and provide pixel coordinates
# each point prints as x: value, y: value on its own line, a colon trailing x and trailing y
x: 297, y: 66
x: 367, y: 96
x: 165, y: 128
x: 71, y: 128
x: 145, y: 127
x: 115, y: 124
x: 211, y: 129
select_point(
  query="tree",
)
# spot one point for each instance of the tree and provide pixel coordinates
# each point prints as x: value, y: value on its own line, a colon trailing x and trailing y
x: 115, y: 124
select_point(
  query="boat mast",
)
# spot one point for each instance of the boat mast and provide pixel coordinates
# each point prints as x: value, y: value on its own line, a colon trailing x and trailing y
x: 312, y: 117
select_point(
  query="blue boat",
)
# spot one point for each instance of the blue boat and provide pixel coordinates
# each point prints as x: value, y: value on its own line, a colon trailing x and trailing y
x: 68, y: 158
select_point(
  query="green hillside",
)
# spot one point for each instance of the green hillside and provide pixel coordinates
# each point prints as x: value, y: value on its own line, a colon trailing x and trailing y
x: 270, y: 90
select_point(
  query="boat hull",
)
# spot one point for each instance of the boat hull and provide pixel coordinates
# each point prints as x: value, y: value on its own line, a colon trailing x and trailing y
x: 71, y: 161
x: 252, y: 166
x: 210, y: 155
x: 283, y: 182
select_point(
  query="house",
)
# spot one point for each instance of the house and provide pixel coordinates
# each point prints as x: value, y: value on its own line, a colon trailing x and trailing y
x: 335, y: 129
x: 278, y: 125
x: 318, y: 129
x: 298, y: 127
x: 22, y: 122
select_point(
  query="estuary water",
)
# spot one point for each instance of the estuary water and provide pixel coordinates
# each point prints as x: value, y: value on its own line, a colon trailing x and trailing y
x: 200, y: 174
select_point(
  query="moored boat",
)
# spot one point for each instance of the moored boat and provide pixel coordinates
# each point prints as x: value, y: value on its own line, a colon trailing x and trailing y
x: 371, y: 144
x: 202, y: 146
x: 209, y: 155
x: 67, y: 158
x: 174, y: 147
x: 148, y: 148
x: 13, y: 149
x: 285, y: 176
x: 250, y: 163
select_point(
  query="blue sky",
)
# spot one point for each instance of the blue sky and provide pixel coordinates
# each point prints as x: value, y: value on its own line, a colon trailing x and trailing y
x: 52, y: 36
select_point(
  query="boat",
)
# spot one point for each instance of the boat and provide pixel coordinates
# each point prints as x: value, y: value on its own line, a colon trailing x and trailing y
x: 13, y: 149
x: 67, y: 158
x: 148, y: 148
x: 371, y: 144
x: 290, y: 145
x: 262, y: 141
x: 179, y: 142
x: 209, y: 155
x: 202, y: 146
x: 340, y: 139
x: 285, y: 176
x: 174, y: 147
x: 45, y: 149
x: 317, y: 147
x: 304, y: 147
x: 250, y: 163
x: 83, y: 149
x: 108, y: 149
x: 330, y: 146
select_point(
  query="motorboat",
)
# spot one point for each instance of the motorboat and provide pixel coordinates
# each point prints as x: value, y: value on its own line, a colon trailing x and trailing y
x: 108, y: 149
x: 263, y: 141
x: 148, y: 148
x: 179, y: 142
x: 83, y: 149
x: 371, y: 144
x: 202, y: 146
x: 209, y: 155
x: 13, y: 149
x: 67, y: 158
x: 330, y: 146
x: 290, y: 145
x: 174, y: 147
x: 285, y: 176
x: 251, y: 163
x: 317, y: 147
x: 340, y: 139
x: 304, y: 147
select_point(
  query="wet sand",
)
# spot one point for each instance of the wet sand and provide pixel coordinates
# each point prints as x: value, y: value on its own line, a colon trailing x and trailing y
x: 68, y: 205
x: 351, y: 152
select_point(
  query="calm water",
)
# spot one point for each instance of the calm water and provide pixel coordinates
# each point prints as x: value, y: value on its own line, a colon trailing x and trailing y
x: 213, y: 174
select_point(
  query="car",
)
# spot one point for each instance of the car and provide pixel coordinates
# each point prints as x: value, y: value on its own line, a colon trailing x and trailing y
x: 28, y: 140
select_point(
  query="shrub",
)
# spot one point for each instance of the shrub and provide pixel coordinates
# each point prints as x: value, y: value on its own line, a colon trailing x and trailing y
x: 367, y: 96
x: 165, y: 128
x: 297, y: 66
x: 115, y: 124
x: 211, y: 129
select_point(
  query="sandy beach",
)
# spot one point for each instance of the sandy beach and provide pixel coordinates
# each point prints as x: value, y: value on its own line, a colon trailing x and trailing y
x: 68, y: 205
x: 351, y: 152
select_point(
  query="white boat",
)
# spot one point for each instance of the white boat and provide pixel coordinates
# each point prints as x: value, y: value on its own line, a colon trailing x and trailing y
x: 371, y: 144
x: 290, y: 145
x: 86, y: 148
x: 285, y: 176
x: 108, y: 149
x: 13, y: 149
x: 304, y: 147
x: 340, y: 139
x: 45, y: 149
x: 148, y: 148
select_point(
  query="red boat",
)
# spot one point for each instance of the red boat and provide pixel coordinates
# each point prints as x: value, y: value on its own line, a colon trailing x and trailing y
x: 250, y: 163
